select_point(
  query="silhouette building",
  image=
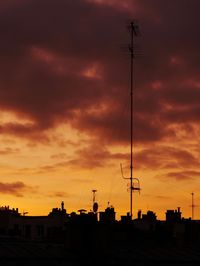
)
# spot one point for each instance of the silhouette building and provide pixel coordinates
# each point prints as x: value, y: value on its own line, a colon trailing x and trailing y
x: 108, y: 215
x: 173, y: 215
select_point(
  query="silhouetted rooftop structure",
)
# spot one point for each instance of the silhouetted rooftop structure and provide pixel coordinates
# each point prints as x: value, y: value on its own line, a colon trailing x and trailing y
x: 149, y: 216
x: 6, y: 210
x: 126, y: 218
x: 108, y: 215
x: 59, y: 211
x: 173, y: 215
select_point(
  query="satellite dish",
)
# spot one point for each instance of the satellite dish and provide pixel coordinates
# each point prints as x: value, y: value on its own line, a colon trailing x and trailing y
x: 82, y: 211
x: 95, y: 207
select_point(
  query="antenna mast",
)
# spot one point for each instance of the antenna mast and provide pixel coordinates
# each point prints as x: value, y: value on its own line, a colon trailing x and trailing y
x: 95, y: 204
x: 134, y: 31
x: 94, y: 195
x: 192, y: 206
x: 133, y: 27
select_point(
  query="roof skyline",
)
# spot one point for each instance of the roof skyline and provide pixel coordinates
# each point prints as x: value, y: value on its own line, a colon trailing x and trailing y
x: 64, y: 93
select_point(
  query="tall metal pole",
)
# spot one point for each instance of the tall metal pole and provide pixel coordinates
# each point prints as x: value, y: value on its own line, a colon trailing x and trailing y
x: 192, y: 205
x: 131, y: 161
x: 134, y: 32
x: 93, y: 194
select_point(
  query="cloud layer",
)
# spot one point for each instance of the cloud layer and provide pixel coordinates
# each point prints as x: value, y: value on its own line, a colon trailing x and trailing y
x: 15, y: 188
x: 61, y: 63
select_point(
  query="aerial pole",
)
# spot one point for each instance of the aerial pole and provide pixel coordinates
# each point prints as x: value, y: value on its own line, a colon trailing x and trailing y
x: 131, y: 95
x: 192, y: 206
x: 134, y: 32
x: 93, y: 195
x: 95, y: 204
x: 133, y: 27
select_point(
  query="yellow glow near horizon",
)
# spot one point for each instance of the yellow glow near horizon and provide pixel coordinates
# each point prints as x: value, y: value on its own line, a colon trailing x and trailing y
x: 50, y: 177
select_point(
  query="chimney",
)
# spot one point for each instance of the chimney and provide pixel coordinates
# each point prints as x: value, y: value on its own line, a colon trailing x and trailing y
x: 62, y: 205
x: 139, y: 214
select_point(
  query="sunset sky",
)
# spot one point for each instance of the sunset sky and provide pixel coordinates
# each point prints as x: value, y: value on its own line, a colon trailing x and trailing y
x: 64, y: 104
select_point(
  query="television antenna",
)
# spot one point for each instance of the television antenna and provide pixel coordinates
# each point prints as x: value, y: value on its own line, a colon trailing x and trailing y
x: 193, y: 205
x: 95, y: 204
x: 134, y: 31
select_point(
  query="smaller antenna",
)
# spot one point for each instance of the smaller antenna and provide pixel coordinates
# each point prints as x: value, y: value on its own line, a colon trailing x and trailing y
x: 94, y: 195
x: 95, y: 204
x: 192, y: 206
x: 62, y: 205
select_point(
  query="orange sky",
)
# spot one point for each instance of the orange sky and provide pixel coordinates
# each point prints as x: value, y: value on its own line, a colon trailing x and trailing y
x: 64, y: 104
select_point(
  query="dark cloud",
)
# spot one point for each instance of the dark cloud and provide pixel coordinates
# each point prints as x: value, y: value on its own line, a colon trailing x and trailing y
x: 24, y: 131
x: 113, y: 127
x: 180, y: 175
x: 164, y: 157
x: 89, y: 157
x: 163, y: 197
x: 9, y: 150
x: 16, y: 188
x: 61, y: 60
x: 94, y: 156
x: 58, y: 194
